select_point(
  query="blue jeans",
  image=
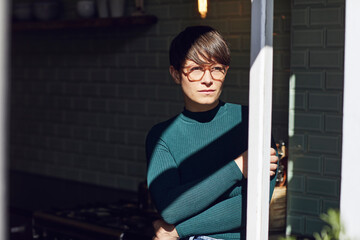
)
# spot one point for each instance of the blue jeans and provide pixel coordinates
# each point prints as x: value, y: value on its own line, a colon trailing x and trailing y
x: 202, y: 238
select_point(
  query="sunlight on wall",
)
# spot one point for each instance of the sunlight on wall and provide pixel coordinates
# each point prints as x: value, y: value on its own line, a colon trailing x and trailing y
x: 292, y: 105
x: 289, y: 178
x: 292, y: 84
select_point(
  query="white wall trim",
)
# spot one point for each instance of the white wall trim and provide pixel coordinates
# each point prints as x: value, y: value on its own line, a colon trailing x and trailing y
x: 4, y: 36
x: 260, y: 106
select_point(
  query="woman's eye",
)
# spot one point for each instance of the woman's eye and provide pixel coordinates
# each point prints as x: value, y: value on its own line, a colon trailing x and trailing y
x: 217, y: 68
x: 195, y: 68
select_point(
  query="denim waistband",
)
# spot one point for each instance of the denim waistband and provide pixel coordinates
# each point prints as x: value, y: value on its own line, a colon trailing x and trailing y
x: 201, y: 238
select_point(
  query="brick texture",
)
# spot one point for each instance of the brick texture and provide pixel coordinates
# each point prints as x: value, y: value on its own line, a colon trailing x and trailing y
x: 315, y: 116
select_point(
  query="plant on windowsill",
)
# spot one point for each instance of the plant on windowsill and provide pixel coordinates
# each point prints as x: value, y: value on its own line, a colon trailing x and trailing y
x: 331, y: 231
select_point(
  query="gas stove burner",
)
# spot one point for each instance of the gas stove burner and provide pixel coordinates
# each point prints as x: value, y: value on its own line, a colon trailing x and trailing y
x: 114, y: 222
x: 124, y: 220
x: 124, y: 207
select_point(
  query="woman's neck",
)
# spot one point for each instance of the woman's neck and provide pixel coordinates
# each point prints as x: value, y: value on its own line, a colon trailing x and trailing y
x: 191, y: 107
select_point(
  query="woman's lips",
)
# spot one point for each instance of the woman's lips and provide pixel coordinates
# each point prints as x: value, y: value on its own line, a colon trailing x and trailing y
x: 207, y: 91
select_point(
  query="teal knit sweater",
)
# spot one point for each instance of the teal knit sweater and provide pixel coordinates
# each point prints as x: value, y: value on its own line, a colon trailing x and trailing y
x: 192, y: 178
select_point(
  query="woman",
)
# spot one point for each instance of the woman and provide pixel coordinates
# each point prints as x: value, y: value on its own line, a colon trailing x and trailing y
x: 197, y: 160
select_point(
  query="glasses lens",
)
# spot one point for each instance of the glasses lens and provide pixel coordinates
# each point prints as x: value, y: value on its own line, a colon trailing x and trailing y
x: 218, y: 73
x: 196, y: 74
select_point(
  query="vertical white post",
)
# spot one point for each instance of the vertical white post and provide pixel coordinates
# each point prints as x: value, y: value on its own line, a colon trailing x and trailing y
x: 260, y: 104
x: 4, y: 35
x: 350, y: 194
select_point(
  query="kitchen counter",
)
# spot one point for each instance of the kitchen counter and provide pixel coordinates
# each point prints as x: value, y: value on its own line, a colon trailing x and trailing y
x: 30, y: 192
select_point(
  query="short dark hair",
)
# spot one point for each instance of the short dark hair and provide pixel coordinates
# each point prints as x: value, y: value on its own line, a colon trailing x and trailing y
x: 196, y: 43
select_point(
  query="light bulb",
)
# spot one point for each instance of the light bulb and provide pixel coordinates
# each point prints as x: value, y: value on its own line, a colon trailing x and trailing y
x: 202, y: 6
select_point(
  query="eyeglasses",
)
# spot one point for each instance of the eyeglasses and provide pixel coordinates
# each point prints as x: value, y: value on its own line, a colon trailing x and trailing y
x: 196, y: 73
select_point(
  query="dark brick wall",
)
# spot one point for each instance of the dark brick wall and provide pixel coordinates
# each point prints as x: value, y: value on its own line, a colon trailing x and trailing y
x: 315, y: 112
x: 82, y: 101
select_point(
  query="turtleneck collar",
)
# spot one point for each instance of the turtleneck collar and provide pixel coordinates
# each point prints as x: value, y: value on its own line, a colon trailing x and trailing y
x: 203, y: 117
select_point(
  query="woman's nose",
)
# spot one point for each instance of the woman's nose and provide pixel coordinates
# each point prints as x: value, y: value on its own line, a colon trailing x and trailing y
x: 207, y: 78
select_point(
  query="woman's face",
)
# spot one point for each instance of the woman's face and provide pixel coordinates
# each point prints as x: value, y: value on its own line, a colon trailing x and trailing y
x: 203, y: 94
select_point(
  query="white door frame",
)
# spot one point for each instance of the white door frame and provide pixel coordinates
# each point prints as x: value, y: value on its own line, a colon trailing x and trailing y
x: 260, y: 107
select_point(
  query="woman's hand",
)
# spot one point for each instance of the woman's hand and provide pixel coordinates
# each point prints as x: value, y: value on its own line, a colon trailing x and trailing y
x: 273, y: 162
x: 164, y: 231
x: 242, y: 162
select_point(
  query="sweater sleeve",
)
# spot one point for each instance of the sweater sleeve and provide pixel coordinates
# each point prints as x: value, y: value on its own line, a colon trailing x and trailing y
x: 225, y: 216
x: 174, y: 200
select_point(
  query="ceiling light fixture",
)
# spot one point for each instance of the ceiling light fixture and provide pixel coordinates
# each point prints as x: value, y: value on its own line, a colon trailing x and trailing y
x: 202, y: 6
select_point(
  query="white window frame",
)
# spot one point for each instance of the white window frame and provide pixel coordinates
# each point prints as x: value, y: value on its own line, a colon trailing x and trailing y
x: 350, y: 192
x: 260, y: 107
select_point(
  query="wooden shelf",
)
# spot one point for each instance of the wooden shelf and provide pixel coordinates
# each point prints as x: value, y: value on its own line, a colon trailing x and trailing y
x: 121, y: 22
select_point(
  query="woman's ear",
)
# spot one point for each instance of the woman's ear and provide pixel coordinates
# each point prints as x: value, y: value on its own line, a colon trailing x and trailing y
x: 175, y: 74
